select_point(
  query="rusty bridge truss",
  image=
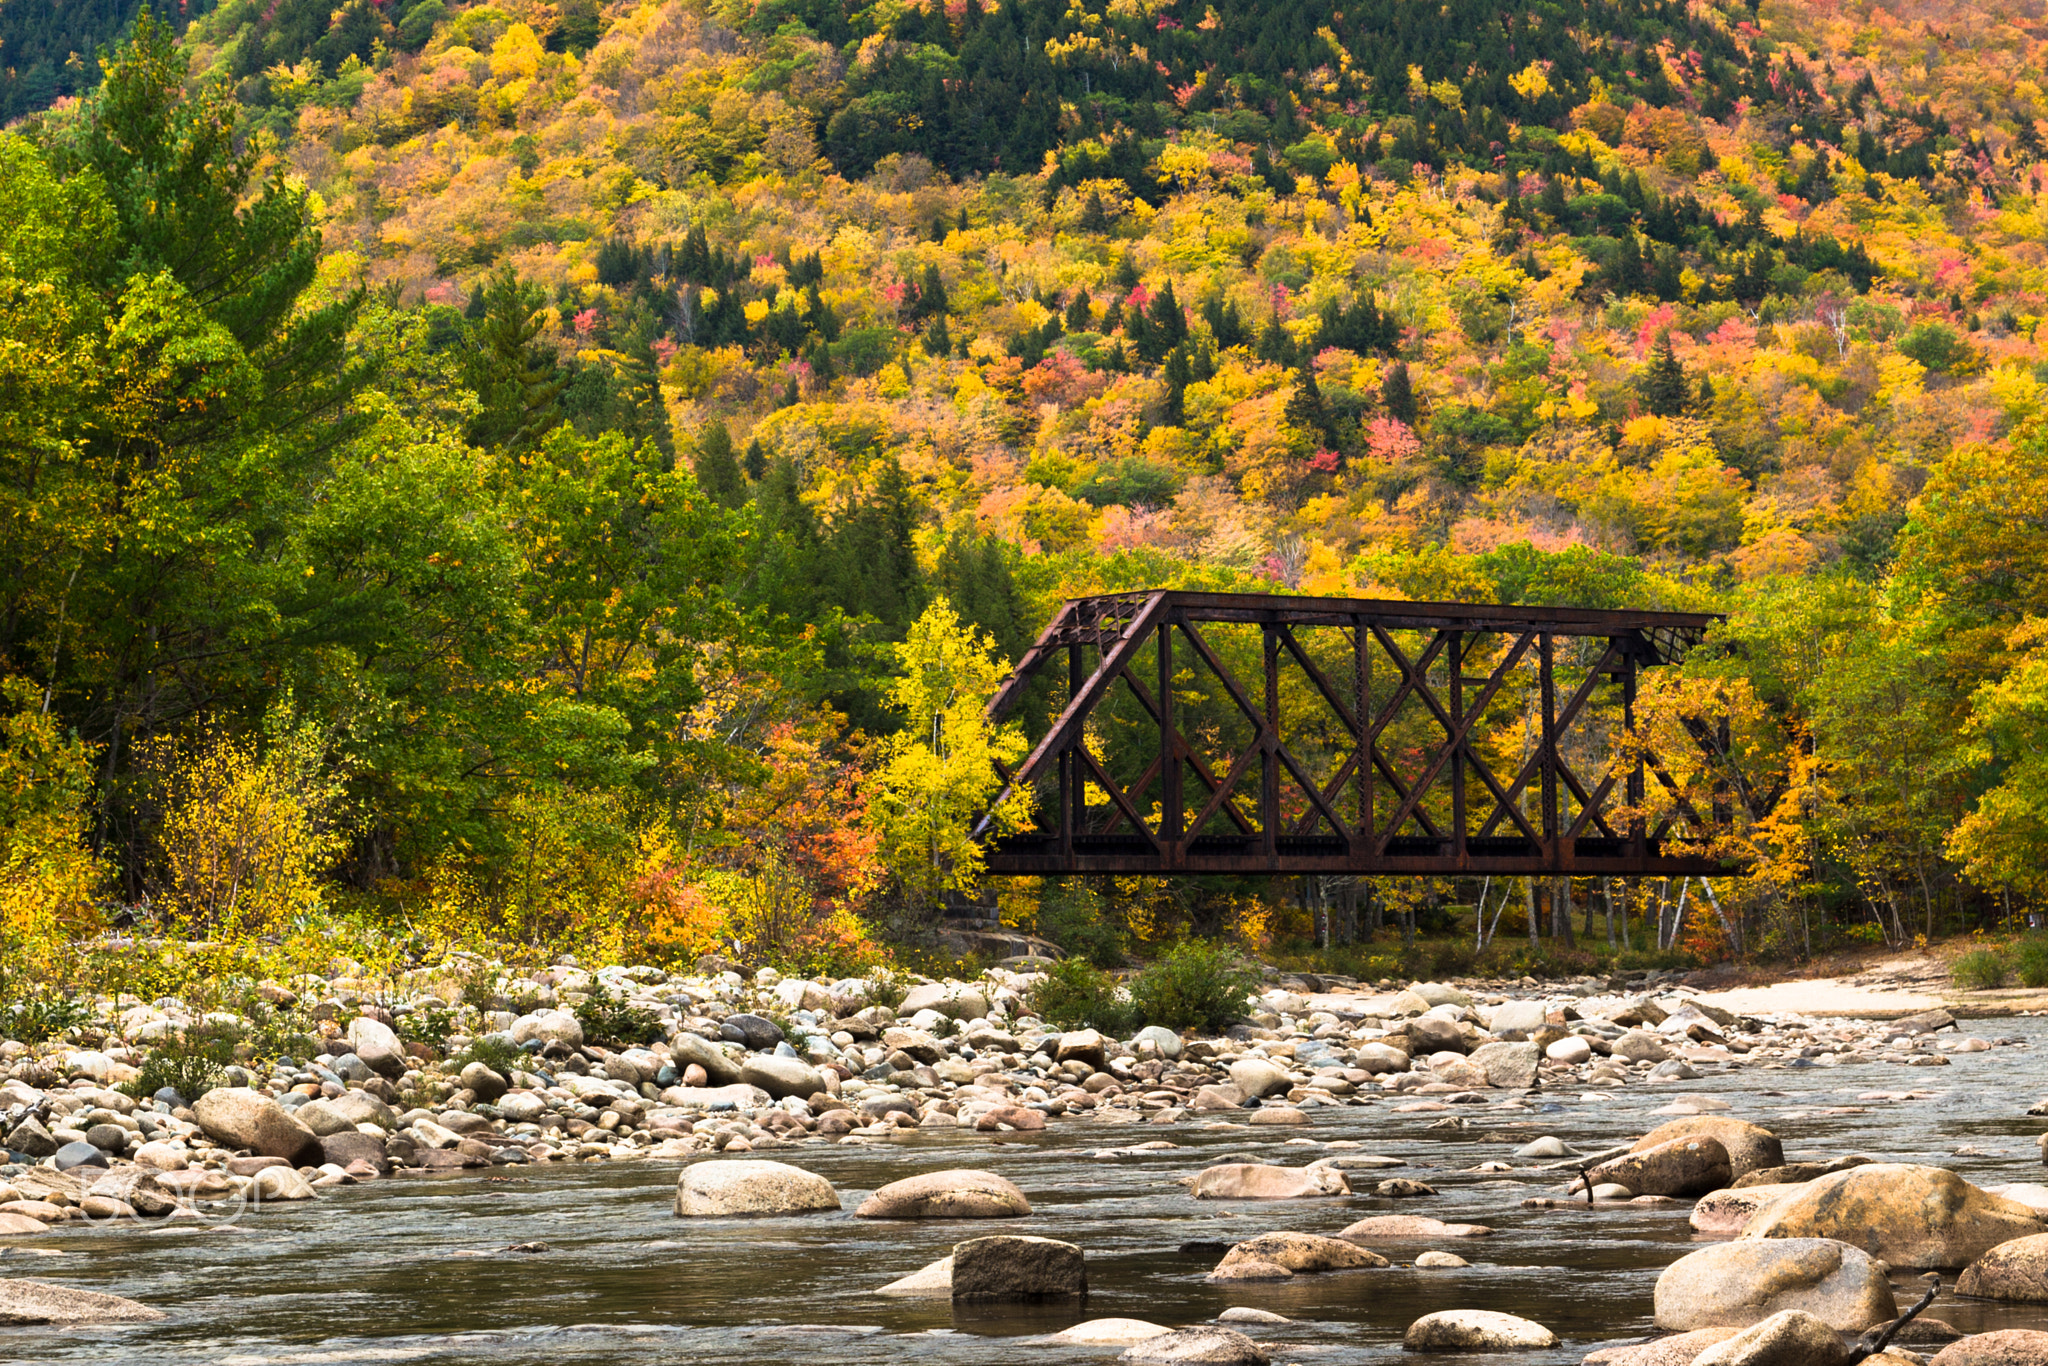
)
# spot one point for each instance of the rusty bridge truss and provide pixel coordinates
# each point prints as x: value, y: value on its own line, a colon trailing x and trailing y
x: 1224, y: 733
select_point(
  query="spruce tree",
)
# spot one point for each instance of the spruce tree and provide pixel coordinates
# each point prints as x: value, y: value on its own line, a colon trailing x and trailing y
x: 718, y: 473
x: 1397, y: 395
x: 1306, y: 411
x: 512, y: 371
x: 1664, y: 386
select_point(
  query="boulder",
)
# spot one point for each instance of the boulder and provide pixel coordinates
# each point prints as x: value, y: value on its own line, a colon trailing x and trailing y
x: 719, y: 1068
x: 1570, y: 1050
x: 1260, y: 1077
x: 1443, y: 1261
x: 1259, y: 1181
x: 1250, y: 1270
x: 1440, y: 994
x: 946, y: 1195
x: 2007, y: 1347
x: 1203, y: 1346
x: 756, y: 1033
x: 1109, y: 1332
x: 137, y: 1188
x: 1734, y: 1285
x: 31, y: 1138
x: 323, y: 1119
x: 1300, y: 1252
x: 1008, y: 1267
x: 360, y: 1107
x: 781, y: 1077
x: 353, y: 1146
x: 1791, y: 1338
x: 237, y: 1117
x: 2017, y: 1270
x: 1749, y: 1147
x: 916, y: 1044
x: 280, y: 1185
x: 933, y: 1280
x: 949, y: 999
x: 1475, y: 1330
x: 1081, y: 1045
x: 1683, y: 1166
x: 1508, y: 1066
x: 1640, y: 1046
x: 550, y: 1027
x: 27, y: 1303
x: 1926, y: 1218
x: 1434, y: 1034
x: 1401, y: 1227
x: 727, y: 1187
x: 1725, y: 1213
x: 488, y: 1086
x: 1518, y: 1019
x: 377, y: 1045
x: 1169, y: 1046
x: 1380, y: 1058
x: 1677, y: 1350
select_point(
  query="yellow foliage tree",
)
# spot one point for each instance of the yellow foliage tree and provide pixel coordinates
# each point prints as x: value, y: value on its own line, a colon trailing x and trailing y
x: 937, y: 775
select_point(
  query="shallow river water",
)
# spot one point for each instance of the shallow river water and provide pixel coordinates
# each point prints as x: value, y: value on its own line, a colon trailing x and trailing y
x: 389, y: 1271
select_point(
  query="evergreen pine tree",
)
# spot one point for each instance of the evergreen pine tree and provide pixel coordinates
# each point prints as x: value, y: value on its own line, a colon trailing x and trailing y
x: 1665, y: 389
x: 1126, y: 277
x: 718, y: 473
x: 1178, y: 374
x: 517, y: 377
x: 1305, y: 410
x: 1079, y: 318
x: 1397, y: 395
x: 937, y: 340
x: 1276, y: 344
x: 755, y: 462
x: 1094, y: 218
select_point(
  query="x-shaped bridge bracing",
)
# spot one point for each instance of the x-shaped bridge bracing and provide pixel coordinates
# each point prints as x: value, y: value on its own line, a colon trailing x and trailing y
x: 1376, y: 738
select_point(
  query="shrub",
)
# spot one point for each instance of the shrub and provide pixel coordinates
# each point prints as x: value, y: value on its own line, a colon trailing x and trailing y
x: 191, y: 1063
x: 607, y: 1019
x: 1978, y: 970
x: 2030, y: 961
x: 1195, y: 985
x: 1075, y: 994
x: 39, y: 1018
x: 495, y: 1053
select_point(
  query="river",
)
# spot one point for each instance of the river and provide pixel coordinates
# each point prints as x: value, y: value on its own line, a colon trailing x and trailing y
x: 389, y: 1271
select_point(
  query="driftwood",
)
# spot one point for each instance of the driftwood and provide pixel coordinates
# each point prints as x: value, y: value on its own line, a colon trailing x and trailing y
x: 1877, y: 1339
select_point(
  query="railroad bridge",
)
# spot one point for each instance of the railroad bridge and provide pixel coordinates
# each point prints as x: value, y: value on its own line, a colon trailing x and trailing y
x: 1252, y: 734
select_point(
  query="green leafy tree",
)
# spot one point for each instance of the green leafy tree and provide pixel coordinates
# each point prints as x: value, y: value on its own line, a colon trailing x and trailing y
x: 937, y: 776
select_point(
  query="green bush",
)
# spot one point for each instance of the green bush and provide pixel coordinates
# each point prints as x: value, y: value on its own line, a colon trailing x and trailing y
x: 495, y: 1053
x: 1075, y: 994
x: 2030, y: 961
x: 608, y: 1020
x: 1196, y: 985
x: 42, y: 1017
x: 191, y: 1063
x: 1978, y: 970
x: 1073, y: 916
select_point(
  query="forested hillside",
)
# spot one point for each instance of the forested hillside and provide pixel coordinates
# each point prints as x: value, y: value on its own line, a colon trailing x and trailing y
x: 513, y: 468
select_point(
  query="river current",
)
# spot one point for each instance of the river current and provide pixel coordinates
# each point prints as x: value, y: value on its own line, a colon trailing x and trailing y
x: 413, y: 1269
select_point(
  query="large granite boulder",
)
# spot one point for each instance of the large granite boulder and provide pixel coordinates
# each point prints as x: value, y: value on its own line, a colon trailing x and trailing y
x: 1744, y: 1282
x: 1749, y: 1146
x: 238, y: 1117
x: 1009, y: 1267
x: 1682, y: 1166
x: 946, y: 1195
x: 728, y: 1187
x: 1927, y: 1218
x: 2017, y: 1270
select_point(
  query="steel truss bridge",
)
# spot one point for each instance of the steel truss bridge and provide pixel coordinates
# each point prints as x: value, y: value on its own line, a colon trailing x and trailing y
x: 1248, y: 734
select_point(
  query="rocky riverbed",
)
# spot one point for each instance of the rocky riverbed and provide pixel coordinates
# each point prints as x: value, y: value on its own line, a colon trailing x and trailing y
x: 548, y: 1192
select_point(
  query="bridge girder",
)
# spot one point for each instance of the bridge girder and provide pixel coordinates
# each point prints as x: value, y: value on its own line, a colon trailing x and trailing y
x: 1392, y: 762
